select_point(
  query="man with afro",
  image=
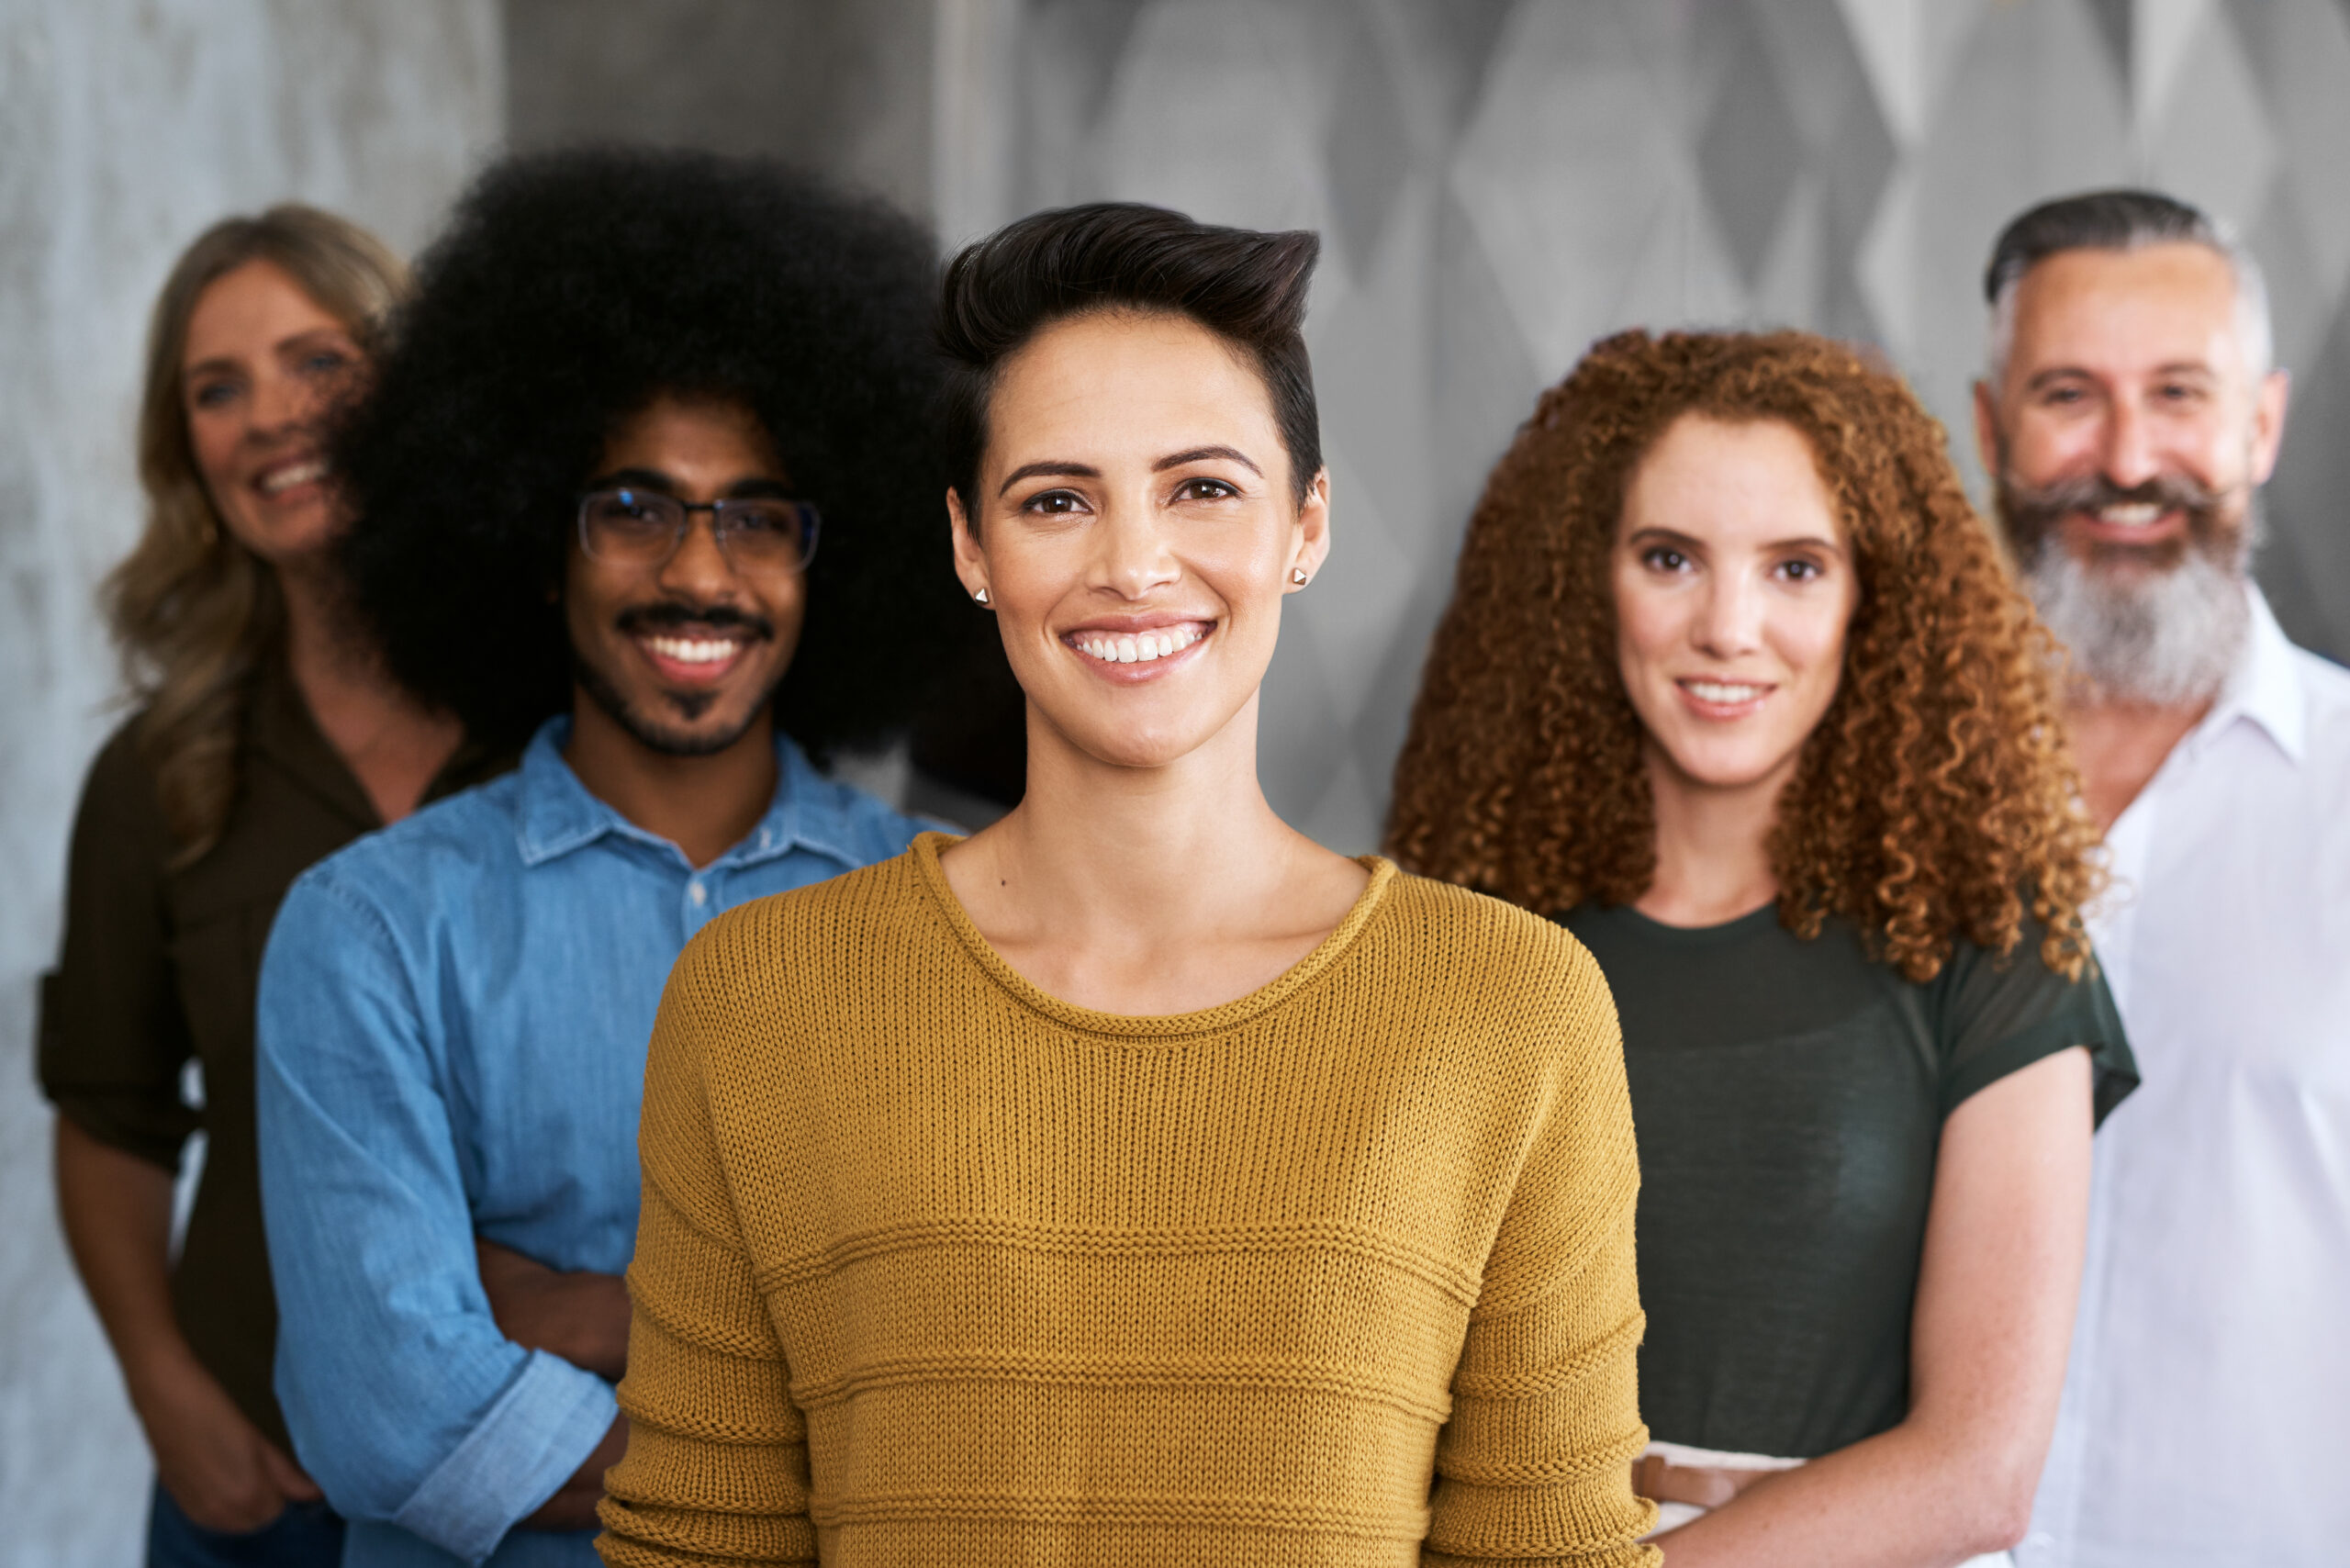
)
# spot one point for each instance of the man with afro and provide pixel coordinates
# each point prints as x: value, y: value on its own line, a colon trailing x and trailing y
x: 646, y: 480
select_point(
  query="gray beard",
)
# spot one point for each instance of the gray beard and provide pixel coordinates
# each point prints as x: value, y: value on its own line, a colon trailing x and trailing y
x: 2164, y: 638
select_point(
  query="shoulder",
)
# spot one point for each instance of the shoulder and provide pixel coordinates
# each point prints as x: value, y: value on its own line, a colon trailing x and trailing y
x: 425, y: 865
x: 121, y: 782
x: 2325, y: 688
x: 851, y: 823
x: 1480, y: 949
x: 1459, y: 919
x: 849, y: 920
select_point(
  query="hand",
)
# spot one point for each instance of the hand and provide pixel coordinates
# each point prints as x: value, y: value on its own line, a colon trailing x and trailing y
x: 580, y: 1316
x: 218, y: 1468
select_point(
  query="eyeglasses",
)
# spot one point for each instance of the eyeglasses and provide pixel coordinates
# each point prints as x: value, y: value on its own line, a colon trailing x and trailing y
x: 643, y: 528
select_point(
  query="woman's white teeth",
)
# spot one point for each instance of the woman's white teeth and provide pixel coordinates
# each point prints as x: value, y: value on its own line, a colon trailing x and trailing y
x: 295, y: 473
x: 1141, y: 647
x: 1721, y: 691
x: 2131, y: 514
x: 693, y: 650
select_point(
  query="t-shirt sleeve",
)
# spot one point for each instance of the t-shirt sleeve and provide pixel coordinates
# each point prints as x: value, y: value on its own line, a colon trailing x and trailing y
x: 113, y: 1041
x: 2002, y: 1011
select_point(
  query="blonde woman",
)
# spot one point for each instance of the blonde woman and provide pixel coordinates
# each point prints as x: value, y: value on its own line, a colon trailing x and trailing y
x: 267, y: 736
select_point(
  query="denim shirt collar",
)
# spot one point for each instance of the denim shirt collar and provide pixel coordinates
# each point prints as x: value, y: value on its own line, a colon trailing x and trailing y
x: 558, y: 815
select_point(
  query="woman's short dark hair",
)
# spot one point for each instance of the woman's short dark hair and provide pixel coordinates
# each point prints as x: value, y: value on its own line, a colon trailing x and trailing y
x: 570, y: 290
x: 1247, y: 288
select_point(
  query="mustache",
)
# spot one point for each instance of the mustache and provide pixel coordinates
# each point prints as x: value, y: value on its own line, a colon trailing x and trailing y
x: 2095, y: 492
x: 669, y: 615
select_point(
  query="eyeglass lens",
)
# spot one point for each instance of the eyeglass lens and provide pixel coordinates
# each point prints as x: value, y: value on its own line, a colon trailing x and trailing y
x: 643, y: 528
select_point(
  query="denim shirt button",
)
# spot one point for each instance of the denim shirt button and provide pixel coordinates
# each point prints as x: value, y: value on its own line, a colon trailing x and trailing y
x: 699, y: 894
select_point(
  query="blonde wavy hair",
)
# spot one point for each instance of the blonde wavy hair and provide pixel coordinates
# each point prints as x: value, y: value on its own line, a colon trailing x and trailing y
x: 1935, y: 799
x: 195, y: 614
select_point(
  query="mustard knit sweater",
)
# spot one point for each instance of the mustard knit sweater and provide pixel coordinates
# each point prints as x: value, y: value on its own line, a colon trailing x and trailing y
x: 935, y: 1270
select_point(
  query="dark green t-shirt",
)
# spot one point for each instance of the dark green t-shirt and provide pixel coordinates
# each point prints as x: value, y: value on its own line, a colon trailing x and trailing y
x: 1788, y: 1097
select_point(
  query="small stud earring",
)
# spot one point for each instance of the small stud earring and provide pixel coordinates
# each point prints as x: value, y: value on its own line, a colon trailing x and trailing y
x: 1297, y: 576
x: 981, y: 597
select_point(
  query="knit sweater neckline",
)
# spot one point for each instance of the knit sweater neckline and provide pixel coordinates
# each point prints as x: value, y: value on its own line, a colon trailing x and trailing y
x: 1143, y: 1028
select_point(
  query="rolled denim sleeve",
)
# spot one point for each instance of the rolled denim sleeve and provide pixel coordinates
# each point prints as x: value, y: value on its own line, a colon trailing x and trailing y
x: 404, y: 1400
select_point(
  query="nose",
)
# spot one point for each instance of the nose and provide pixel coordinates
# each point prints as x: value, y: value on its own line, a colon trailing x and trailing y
x: 1131, y: 556
x: 279, y: 404
x: 1730, y: 620
x: 699, y: 569
x: 2128, y: 459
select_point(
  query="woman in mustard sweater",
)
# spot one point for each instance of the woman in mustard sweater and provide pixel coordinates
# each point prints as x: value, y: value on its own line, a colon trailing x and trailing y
x: 1137, y: 1180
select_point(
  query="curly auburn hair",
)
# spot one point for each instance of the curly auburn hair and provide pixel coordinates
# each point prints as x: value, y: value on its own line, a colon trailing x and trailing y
x: 571, y: 289
x: 1935, y: 799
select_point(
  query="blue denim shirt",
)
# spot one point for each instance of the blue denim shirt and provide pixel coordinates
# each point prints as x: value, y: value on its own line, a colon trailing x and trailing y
x: 451, y: 1030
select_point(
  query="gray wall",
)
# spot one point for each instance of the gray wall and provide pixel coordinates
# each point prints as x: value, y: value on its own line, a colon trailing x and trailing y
x: 125, y: 126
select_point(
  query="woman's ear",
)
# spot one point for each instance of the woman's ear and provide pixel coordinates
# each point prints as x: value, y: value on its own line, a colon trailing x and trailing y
x: 1312, y: 532
x: 971, y: 560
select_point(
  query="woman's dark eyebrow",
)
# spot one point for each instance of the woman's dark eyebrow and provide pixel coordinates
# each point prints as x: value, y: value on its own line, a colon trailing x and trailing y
x: 1055, y: 468
x: 1201, y: 453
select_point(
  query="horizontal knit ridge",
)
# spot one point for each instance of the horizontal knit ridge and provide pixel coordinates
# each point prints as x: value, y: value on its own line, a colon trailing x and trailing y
x: 1536, y: 1382
x: 1594, y: 1461
x: 1171, y: 1508
x: 1364, y: 1383
x: 1455, y: 1280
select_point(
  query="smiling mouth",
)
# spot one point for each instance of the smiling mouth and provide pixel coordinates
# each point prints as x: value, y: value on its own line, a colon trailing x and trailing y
x: 692, y: 658
x: 285, y: 476
x: 1725, y: 693
x: 1138, y: 647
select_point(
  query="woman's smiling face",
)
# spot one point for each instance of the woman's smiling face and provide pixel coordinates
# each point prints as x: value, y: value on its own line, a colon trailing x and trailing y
x: 1734, y: 584
x: 1136, y: 532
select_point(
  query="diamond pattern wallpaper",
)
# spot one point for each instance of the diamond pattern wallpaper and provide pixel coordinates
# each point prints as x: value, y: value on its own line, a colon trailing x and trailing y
x: 1500, y: 181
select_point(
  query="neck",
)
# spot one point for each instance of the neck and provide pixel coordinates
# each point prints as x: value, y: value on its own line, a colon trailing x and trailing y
x: 2119, y: 745
x: 1153, y: 851
x: 319, y: 648
x: 1713, y: 856
x: 394, y: 744
x: 704, y: 805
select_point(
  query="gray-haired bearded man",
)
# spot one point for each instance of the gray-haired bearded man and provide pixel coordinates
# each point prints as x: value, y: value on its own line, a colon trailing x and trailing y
x: 2129, y: 416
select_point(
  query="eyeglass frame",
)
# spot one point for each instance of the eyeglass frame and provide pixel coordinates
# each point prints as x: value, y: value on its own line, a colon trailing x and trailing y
x: 812, y: 524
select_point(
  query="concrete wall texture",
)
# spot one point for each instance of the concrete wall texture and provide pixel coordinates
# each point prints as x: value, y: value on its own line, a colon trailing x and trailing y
x: 126, y: 126
x: 1497, y: 183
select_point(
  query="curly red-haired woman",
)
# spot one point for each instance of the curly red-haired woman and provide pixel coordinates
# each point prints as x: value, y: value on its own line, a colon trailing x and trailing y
x: 1733, y: 682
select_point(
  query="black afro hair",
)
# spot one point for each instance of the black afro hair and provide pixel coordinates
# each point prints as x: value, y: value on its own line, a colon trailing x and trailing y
x: 570, y: 289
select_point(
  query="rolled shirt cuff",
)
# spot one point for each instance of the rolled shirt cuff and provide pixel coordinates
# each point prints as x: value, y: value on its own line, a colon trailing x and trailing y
x: 531, y: 1441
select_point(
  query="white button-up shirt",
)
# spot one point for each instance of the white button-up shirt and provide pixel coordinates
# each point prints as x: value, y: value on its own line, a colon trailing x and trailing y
x: 2207, y: 1405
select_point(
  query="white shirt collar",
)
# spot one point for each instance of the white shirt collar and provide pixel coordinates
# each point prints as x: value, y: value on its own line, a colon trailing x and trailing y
x: 2265, y: 688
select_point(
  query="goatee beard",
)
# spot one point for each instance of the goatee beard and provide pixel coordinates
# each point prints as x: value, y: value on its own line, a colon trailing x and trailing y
x: 2162, y: 633
x: 650, y: 732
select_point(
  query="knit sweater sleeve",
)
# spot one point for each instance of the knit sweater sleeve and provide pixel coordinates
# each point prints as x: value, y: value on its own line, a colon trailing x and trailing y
x: 717, y: 1464
x: 1535, y: 1464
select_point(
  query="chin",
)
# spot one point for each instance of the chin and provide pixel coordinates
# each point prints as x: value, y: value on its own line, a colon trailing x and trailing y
x: 1713, y: 770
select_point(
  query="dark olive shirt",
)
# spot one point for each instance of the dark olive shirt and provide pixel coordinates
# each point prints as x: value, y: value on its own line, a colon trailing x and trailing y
x: 158, y: 969
x: 1788, y: 1097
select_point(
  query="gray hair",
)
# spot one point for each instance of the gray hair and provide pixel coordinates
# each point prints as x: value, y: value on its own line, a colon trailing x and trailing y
x: 2121, y: 220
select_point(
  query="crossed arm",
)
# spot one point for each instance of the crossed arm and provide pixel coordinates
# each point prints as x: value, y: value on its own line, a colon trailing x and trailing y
x: 582, y: 1316
x: 1993, y: 1320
